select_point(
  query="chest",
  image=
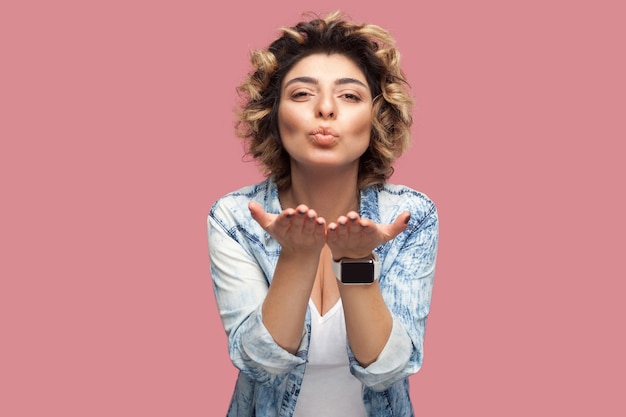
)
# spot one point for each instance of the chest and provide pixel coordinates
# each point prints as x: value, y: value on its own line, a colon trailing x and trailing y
x: 325, y: 293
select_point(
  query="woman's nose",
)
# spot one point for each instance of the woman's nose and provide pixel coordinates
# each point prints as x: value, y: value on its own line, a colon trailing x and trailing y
x: 326, y: 108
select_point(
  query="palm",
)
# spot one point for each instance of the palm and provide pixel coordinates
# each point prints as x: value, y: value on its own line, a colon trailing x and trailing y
x: 354, y: 237
x: 296, y: 230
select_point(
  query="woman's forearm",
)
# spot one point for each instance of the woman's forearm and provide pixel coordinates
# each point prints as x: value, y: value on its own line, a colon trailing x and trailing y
x: 368, y: 321
x: 285, y: 305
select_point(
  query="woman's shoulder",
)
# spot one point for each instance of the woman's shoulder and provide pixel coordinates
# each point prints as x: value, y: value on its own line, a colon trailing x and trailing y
x: 235, y: 203
x: 400, y: 191
x: 397, y: 195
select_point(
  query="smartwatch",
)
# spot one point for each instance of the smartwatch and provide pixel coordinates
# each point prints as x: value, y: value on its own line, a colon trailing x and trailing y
x: 357, y: 271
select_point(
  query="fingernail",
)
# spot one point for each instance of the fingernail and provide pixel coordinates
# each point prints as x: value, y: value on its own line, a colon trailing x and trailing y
x: 406, y: 221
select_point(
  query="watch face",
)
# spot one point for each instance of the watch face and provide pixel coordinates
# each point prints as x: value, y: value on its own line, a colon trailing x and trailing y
x: 357, y: 272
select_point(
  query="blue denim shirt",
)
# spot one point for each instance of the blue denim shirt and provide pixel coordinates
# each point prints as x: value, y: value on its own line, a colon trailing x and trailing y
x: 243, y: 258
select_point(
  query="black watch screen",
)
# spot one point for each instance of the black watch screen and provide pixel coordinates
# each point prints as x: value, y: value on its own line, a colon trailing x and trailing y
x: 357, y: 272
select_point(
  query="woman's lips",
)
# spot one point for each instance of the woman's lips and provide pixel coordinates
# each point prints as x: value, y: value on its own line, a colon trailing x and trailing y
x: 324, y: 140
x: 324, y: 136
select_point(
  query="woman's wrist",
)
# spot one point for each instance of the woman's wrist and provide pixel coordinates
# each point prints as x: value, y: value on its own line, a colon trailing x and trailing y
x: 353, y: 256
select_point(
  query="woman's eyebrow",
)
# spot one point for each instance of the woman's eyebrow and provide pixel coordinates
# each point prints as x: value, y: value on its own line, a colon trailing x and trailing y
x: 307, y: 80
x: 342, y: 81
x: 311, y: 80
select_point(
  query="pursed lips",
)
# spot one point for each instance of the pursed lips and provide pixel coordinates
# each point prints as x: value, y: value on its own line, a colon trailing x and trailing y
x: 324, y: 136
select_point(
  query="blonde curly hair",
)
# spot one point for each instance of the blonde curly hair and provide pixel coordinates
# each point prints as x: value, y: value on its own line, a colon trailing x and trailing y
x: 372, y: 49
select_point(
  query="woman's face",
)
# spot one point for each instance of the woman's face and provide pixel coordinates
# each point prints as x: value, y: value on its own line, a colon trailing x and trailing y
x: 325, y: 112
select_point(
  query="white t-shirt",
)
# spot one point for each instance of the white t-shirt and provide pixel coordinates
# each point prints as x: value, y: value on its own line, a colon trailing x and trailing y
x: 328, y: 388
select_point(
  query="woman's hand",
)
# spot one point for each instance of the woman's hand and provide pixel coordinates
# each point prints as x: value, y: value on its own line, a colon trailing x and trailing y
x: 354, y: 237
x: 302, y: 235
x: 297, y: 230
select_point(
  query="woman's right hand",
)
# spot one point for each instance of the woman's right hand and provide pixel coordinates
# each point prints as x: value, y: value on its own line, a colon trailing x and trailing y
x: 301, y: 234
x: 297, y: 230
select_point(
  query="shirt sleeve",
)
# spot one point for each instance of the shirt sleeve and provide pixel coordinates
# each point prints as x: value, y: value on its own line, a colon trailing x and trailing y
x: 406, y: 283
x: 240, y: 286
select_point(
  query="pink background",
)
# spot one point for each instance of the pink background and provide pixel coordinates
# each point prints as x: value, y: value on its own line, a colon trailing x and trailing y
x: 116, y: 136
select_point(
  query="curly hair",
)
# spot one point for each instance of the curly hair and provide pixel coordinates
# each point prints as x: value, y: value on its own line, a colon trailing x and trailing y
x: 372, y: 49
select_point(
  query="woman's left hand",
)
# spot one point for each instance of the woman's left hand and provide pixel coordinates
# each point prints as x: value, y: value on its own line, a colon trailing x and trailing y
x: 353, y: 237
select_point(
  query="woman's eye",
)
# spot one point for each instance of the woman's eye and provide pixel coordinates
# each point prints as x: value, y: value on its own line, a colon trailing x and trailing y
x: 300, y: 95
x: 351, y: 97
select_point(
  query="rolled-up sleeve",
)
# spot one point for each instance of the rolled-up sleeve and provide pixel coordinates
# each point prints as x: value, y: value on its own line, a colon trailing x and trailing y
x: 406, y: 284
x: 240, y: 286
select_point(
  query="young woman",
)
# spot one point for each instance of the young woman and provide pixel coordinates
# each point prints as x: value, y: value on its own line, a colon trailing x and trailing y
x: 323, y: 272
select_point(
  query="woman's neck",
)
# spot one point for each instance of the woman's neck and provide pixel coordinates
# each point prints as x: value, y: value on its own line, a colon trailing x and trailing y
x: 331, y: 195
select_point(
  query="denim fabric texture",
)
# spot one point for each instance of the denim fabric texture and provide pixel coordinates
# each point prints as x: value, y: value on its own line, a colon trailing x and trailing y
x: 242, y: 259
